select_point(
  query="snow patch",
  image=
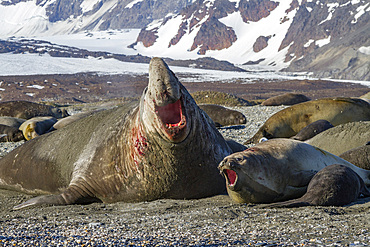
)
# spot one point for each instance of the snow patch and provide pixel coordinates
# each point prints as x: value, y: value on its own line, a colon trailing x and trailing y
x: 360, y: 11
x: 365, y: 50
x: 88, y: 5
x: 323, y: 42
x: 130, y: 5
x: 309, y: 43
x: 36, y: 86
x: 236, y: 3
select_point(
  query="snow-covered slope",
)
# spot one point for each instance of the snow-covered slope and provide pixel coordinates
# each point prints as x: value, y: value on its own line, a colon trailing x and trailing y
x: 297, y: 35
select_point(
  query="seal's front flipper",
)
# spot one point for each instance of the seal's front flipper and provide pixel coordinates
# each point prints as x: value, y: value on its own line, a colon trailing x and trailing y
x: 70, y: 196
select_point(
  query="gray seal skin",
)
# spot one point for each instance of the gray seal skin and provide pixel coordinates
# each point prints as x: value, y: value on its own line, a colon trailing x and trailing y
x: 343, y: 137
x: 164, y: 147
x: 12, y: 121
x: 312, y: 129
x: 36, y: 126
x: 335, y: 185
x: 286, y: 99
x: 223, y: 116
x: 359, y: 156
x: 277, y: 170
x: 288, y: 122
x: 10, y: 134
x: 27, y: 110
x: 61, y: 123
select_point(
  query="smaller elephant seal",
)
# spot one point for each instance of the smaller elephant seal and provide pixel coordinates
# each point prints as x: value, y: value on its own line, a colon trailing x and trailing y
x: 288, y: 122
x: 36, y: 126
x: 12, y: 121
x: 335, y: 185
x: 286, y: 99
x: 27, y: 110
x: 312, y: 129
x: 359, y: 156
x: 223, y: 116
x: 10, y: 134
x: 277, y: 170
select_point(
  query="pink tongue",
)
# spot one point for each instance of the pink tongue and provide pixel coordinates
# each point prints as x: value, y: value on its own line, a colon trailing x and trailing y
x: 231, y: 176
x: 171, y: 113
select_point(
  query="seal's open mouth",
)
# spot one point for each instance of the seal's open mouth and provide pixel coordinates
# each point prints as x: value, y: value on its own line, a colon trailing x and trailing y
x: 173, y: 118
x: 231, y: 177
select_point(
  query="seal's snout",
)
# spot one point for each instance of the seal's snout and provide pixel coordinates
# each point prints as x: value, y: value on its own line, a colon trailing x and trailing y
x: 227, y: 168
x: 164, y: 86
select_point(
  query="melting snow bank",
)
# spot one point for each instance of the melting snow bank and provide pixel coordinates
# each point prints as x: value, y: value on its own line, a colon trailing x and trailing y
x: 35, y: 64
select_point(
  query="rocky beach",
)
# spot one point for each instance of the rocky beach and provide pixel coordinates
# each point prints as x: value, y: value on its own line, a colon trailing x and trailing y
x: 214, y: 221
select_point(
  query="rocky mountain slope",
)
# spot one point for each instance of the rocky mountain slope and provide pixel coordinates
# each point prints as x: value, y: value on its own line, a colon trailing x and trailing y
x: 329, y: 38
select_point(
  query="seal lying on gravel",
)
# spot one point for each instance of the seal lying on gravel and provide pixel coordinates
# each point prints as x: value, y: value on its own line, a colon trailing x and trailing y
x: 165, y: 147
x: 12, y: 121
x: 335, y: 185
x: 285, y: 99
x: 222, y: 116
x: 312, y: 129
x: 27, y: 110
x: 276, y: 170
x: 10, y: 134
x: 343, y: 137
x: 36, y: 126
x: 288, y: 122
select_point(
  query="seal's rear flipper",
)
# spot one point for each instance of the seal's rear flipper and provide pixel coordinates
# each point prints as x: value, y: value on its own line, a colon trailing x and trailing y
x: 70, y: 196
x: 287, y: 204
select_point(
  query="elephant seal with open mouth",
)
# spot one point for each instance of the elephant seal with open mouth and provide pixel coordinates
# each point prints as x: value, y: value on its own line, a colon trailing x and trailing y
x: 163, y: 147
x: 277, y: 170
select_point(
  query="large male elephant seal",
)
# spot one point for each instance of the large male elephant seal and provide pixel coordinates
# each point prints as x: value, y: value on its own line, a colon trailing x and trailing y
x: 223, y: 116
x: 343, y: 137
x: 335, y: 185
x: 277, y: 170
x: 288, y: 122
x: 27, y: 110
x: 286, y: 99
x: 165, y: 147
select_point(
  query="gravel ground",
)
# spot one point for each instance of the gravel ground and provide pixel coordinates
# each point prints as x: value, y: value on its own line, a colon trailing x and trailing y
x: 206, y: 222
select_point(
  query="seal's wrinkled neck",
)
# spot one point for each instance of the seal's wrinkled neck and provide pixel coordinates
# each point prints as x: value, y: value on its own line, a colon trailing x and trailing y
x: 164, y: 104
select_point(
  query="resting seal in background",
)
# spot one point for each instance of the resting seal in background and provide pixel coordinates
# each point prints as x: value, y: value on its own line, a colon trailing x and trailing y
x: 277, y: 170
x: 359, y: 156
x: 335, y: 185
x: 36, y: 126
x: 12, y: 121
x: 343, y: 137
x: 285, y: 99
x: 27, y: 110
x: 10, y: 134
x: 165, y: 147
x: 288, y: 122
x: 312, y: 129
x: 223, y: 116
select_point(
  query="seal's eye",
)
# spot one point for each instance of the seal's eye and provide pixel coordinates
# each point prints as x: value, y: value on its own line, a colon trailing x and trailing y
x: 239, y: 159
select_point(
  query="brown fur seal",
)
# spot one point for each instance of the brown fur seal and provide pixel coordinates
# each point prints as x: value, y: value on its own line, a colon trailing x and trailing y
x: 27, y: 110
x: 277, y: 170
x: 288, y: 122
x: 163, y: 147
x: 335, y: 185
x: 286, y: 99
x: 312, y: 129
x: 10, y: 134
x: 36, y: 126
x: 359, y: 156
x: 343, y: 137
x: 223, y: 116
x: 12, y: 121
